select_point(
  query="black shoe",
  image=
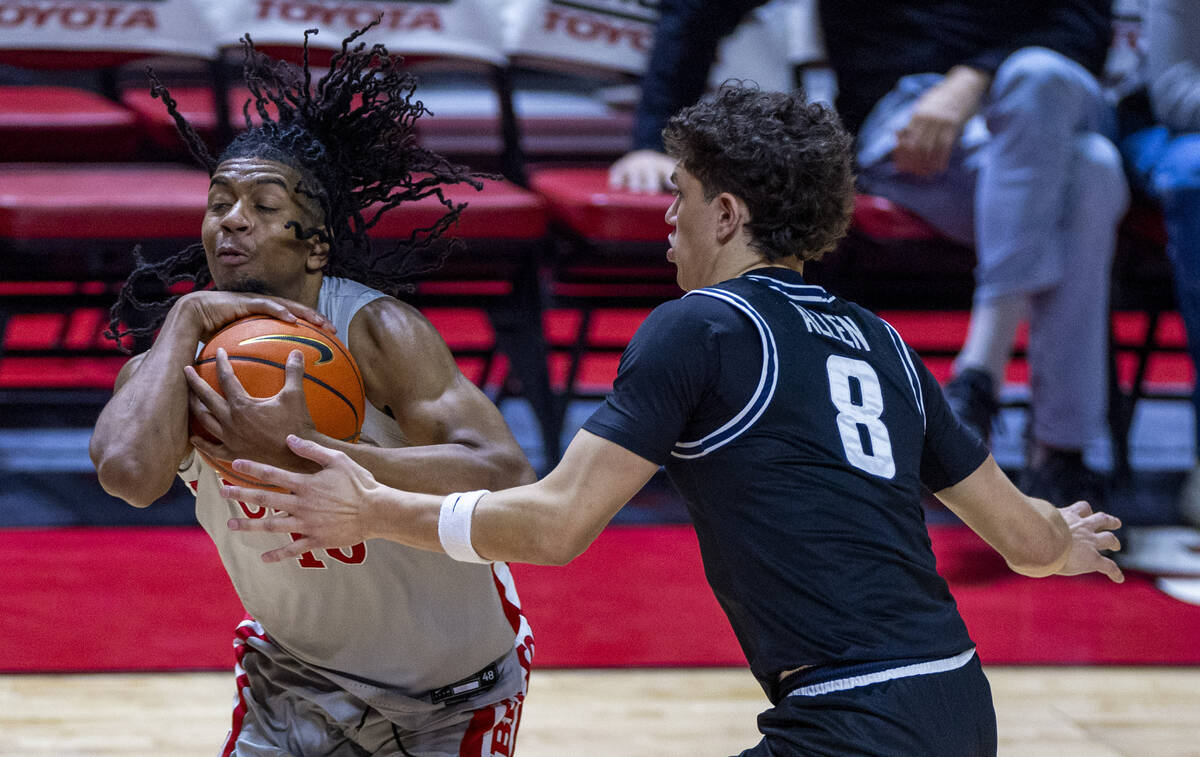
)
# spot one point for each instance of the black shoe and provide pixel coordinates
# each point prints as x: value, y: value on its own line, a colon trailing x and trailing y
x: 1063, y: 479
x: 972, y: 396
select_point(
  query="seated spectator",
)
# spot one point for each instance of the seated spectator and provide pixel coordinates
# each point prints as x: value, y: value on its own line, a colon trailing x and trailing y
x: 987, y: 120
x: 1164, y: 163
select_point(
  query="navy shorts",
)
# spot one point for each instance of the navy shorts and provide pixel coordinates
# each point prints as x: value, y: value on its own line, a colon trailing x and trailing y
x: 938, y: 714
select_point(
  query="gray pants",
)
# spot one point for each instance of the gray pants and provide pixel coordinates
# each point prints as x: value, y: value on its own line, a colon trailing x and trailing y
x: 1038, y: 190
x: 285, y: 708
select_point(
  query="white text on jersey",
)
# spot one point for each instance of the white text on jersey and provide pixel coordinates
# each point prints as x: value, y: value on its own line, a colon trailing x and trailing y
x: 839, y: 327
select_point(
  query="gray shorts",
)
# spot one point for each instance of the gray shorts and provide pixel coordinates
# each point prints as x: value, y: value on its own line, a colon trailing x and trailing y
x: 286, y: 708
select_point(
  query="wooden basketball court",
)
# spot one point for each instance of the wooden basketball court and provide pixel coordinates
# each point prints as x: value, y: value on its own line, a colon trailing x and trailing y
x: 1043, y: 712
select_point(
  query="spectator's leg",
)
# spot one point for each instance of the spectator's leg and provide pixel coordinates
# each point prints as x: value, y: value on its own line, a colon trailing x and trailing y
x: 1039, y: 102
x: 1069, y: 326
x: 1176, y: 183
x: 990, y: 335
x: 947, y: 202
x: 1049, y: 196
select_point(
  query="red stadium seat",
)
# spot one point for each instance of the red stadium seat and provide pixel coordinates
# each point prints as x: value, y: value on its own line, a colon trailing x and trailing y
x: 501, y: 237
x: 84, y: 202
x: 64, y: 123
x: 882, y: 219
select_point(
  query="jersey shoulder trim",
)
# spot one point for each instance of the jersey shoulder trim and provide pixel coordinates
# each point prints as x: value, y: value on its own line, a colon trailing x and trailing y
x: 795, y: 292
x: 910, y: 370
x: 763, y: 393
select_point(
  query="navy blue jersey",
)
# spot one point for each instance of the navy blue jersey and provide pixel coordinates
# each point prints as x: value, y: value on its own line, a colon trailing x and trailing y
x: 799, y: 429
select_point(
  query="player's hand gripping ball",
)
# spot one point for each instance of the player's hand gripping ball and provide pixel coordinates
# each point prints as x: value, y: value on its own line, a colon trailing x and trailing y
x: 258, y: 347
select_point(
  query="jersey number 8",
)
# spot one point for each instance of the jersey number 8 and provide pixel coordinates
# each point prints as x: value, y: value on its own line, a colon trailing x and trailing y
x: 864, y: 436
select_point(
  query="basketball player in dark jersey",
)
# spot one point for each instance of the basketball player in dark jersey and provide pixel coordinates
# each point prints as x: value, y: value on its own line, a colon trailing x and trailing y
x: 800, y: 430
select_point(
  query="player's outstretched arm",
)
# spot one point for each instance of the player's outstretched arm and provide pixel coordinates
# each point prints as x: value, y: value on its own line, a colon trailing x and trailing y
x: 1034, y: 537
x: 549, y: 522
x: 141, y: 434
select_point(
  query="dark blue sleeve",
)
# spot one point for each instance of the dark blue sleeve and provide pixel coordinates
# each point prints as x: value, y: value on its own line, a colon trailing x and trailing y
x: 952, y: 451
x: 685, y: 45
x: 666, y: 371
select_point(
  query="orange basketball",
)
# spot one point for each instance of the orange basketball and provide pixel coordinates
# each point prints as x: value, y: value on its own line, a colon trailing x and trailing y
x: 258, y: 347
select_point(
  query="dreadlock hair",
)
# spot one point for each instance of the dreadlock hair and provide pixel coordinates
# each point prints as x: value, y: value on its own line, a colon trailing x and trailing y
x: 351, y: 138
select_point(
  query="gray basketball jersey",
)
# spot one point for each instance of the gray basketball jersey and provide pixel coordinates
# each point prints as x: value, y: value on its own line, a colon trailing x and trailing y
x: 378, y: 612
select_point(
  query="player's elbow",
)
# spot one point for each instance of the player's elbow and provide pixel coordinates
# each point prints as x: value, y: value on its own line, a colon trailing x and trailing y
x: 558, y: 552
x: 122, y: 477
x: 510, y: 468
x: 561, y: 543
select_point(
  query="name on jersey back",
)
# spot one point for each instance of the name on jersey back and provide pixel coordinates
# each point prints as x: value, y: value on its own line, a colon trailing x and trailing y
x: 831, y: 326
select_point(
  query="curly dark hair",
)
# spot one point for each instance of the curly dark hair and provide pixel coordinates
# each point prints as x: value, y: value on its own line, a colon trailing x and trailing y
x: 351, y: 138
x: 790, y: 161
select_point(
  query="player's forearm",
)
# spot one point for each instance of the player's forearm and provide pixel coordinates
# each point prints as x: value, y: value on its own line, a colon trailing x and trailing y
x: 141, y: 434
x: 441, y: 468
x: 1028, y: 533
x: 526, y: 524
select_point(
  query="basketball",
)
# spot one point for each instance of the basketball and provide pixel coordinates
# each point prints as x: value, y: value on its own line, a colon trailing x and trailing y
x: 258, y: 347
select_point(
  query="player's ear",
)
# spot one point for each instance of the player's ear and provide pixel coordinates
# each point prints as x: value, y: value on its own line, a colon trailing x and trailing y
x: 732, y: 216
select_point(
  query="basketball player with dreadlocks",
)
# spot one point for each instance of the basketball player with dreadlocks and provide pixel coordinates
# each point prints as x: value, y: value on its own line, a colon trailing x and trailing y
x: 381, y: 649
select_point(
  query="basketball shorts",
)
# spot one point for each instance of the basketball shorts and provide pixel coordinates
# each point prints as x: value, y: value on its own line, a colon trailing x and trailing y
x: 285, y: 708
x: 938, y: 708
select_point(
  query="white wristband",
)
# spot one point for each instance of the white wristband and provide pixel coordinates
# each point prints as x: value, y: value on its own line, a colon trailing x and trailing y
x: 454, y: 525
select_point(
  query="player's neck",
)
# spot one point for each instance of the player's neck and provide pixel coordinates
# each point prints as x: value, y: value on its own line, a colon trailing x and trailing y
x: 306, y: 292
x: 791, y: 264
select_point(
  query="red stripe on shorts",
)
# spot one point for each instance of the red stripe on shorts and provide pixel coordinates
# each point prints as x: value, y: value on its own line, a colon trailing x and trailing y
x: 508, y: 595
x: 479, y: 728
x: 247, y: 629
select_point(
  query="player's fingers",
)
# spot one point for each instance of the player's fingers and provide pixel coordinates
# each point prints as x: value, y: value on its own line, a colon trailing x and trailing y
x: 290, y: 311
x: 1080, y: 508
x: 262, y: 498
x: 293, y: 372
x: 310, y: 450
x: 270, y: 524
x: 201, y: 388
x: 1112, y: 570
x: 205, y: 417
x: 214, y: 450
x: 284, y: 479
x: 231, y: 388
x: 293, y: 550
x: 1102, y: 521
x: 1107, y: 540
